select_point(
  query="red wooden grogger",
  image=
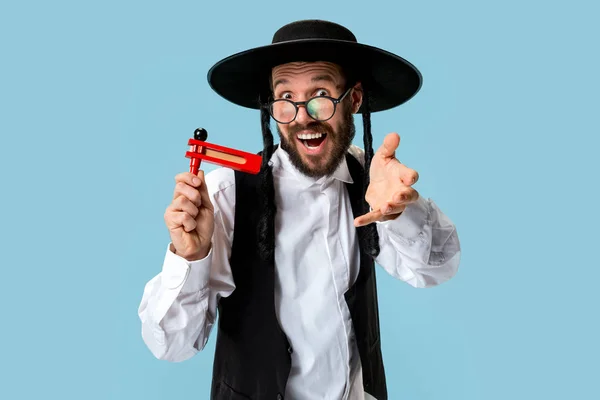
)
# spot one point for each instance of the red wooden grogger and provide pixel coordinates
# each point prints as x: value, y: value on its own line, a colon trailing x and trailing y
x: 220, y: 155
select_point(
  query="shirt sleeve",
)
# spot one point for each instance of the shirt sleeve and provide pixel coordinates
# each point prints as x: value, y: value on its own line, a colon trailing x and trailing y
x: 420, y: 246
x: 179, y: 305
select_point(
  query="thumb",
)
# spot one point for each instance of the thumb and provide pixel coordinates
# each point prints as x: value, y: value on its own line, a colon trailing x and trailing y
x: 389, y: 146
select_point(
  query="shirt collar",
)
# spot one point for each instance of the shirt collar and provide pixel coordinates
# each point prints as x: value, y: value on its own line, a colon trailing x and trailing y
x: 282, y: 165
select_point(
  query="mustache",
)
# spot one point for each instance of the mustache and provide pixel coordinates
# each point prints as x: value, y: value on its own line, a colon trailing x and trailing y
x: 311, y: 126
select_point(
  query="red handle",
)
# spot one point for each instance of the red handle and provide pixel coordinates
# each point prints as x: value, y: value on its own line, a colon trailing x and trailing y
x: 195, y: 161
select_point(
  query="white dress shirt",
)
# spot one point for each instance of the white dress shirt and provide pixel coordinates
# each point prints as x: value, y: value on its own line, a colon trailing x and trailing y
x: 316, y: 260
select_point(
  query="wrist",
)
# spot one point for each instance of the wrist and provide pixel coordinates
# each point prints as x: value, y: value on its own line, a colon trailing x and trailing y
x: 190, y: 257
x: 390, y: 217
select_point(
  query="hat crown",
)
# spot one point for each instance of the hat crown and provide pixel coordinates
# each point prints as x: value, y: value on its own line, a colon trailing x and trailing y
x: 313, y: 29
x: 244, y: 78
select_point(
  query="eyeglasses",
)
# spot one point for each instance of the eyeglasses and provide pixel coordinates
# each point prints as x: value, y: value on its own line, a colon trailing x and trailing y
x: 320, y: 108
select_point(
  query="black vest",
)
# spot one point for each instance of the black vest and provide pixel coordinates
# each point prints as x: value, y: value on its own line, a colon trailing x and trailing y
x: 252, y: 356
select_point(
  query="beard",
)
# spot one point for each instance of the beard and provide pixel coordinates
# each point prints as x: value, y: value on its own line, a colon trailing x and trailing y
x: 341, y: 140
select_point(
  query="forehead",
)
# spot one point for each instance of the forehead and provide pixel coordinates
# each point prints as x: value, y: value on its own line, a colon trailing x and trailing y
x: 307, y: 71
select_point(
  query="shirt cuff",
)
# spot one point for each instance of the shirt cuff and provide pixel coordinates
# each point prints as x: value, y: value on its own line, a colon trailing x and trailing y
x: 412, y: 223
x: 190, y: 276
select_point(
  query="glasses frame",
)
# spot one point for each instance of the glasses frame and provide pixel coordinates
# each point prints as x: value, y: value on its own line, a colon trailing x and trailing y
x: 335, y: 101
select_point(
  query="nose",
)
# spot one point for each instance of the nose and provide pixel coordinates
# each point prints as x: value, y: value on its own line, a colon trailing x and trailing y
x: 302, y: 117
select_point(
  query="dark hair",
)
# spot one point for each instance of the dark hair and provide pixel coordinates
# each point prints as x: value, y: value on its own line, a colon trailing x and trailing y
x: 266, y: 224
x: 369, y: 237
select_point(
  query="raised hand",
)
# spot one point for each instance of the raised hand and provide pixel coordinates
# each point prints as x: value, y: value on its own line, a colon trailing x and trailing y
x: 190, y: 217
x: 389, y: 190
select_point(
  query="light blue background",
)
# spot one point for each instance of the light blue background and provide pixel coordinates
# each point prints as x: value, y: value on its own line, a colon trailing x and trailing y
x: 98, y: 99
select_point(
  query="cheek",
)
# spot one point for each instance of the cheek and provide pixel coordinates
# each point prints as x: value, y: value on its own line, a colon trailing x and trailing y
x: 283, y: 130
x: 335, y: 124
x: 341, y: 118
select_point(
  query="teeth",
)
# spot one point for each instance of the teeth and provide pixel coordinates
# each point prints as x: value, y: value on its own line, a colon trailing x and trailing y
x: 305, y: 136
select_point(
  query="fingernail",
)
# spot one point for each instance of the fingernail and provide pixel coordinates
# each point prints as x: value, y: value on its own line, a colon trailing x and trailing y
x: 196, y: 181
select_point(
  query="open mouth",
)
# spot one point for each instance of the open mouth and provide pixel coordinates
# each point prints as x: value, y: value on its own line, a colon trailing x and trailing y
x: 312, y: 141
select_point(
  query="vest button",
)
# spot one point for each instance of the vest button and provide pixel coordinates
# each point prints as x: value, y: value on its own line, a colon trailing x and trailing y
x: 290, y: 350
x: 279, y: 396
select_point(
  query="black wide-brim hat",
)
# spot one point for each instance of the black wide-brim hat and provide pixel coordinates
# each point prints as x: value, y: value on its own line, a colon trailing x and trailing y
x: 243, y: 78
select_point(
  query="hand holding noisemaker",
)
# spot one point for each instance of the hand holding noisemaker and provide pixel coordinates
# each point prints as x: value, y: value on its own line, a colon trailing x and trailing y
x: 220, y: 155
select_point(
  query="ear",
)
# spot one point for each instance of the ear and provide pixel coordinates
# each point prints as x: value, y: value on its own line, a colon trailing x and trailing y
x: 357, y: 97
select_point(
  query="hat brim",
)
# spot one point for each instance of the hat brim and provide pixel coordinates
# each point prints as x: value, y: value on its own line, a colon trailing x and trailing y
x: 243, y: 78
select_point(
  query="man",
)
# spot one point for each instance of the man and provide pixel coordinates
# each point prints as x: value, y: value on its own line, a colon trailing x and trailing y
x: 287, y: 256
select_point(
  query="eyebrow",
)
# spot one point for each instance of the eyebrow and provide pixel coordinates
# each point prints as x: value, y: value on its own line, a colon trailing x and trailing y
x: 278, y: 82
x: 318, y: 78
x: 321, y: 78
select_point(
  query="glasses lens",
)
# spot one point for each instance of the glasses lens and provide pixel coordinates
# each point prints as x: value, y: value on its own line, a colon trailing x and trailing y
x: 320, y: 108
x: 283, y: 111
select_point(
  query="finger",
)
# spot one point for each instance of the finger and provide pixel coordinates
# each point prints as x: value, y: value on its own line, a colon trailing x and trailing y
x: 182, y: 203
x: 368, y: 218
x: 188, y: 178
x: 407, y: 176
x: 204, y: 197
x: 389, y: 146
x: 178, y: 219
x: 191, y: 193
x: 404, y: 196
x: 388, y: 208
x: 410, y: 176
